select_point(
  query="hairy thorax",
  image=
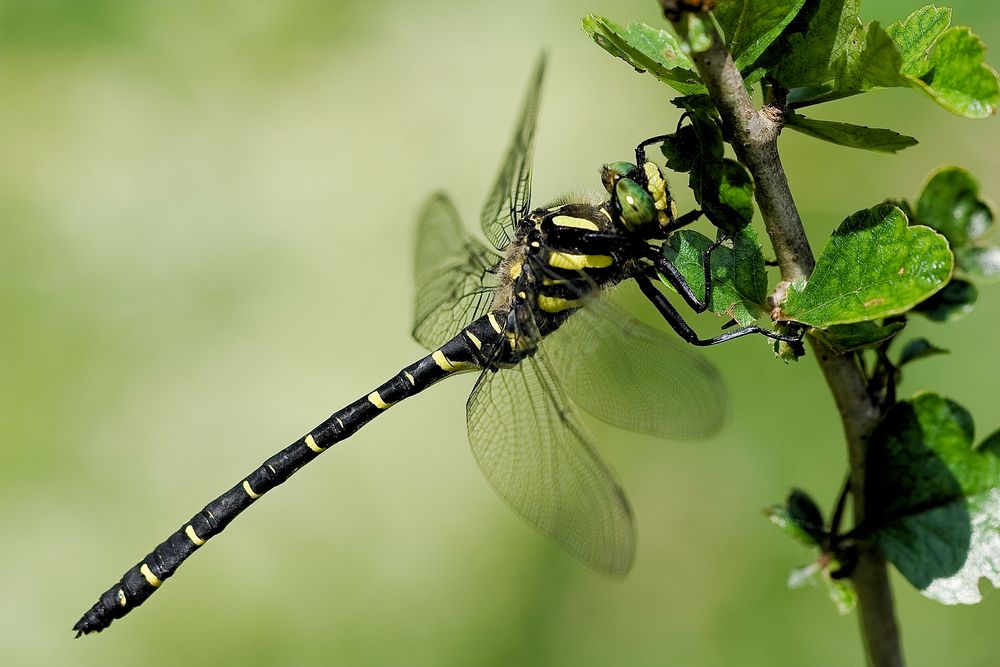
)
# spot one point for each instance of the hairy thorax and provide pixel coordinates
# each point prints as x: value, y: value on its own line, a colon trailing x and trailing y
x: 561, y: 256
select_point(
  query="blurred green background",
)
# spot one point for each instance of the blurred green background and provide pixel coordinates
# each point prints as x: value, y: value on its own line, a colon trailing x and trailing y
x: 207, y: 220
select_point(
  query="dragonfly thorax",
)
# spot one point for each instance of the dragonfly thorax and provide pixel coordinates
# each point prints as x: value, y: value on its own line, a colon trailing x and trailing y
x: 561, y: 257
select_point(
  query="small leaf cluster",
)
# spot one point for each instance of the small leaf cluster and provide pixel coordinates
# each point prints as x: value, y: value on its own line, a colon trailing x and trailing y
x: 932, y: 497
x: 724, y: 191
x: 819, y: 51
x: 722, y: 187
x: 951, y: 204
x: 800, y: 518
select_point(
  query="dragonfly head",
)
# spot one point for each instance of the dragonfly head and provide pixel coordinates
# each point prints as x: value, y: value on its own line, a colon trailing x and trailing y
x: 639, y: 196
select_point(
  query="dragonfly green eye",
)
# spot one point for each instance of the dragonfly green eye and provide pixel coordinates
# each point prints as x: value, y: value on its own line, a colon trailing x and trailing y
x: 635, y: 204
x: 615, y: 171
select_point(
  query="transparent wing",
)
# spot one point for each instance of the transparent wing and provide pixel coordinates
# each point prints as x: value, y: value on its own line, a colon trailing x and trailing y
x: 633, y: 376
x: 511, y: 195
x: 453, y: 275
x: 540, y: 459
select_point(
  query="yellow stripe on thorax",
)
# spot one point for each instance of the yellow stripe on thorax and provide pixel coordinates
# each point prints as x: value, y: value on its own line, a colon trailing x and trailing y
x: 576, y: 223
x: 555, y: 304
x: 563, y: 260
x: 657, y: 188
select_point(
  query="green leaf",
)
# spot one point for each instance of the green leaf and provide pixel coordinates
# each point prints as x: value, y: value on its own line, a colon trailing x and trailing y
x: 798, y: 517
x: 731, y: 208
x: 724, y: 190
x: 920, y: 52
x: 722, y: 187
x: 813, y: 45
x: 916, y: 349
x: 699, y: 103
x: 750, y: 26
x: 699, y: 39
x: 708, y: 144
x: 873, y: 266
x: 844, y: 338
x: 805, y: 512
x: 982, y: 264
x: 952, y: 303
x: 840, y: 591
x: 871, y: 60
x: 949, y: 202
x: 780, y: 517
x: 750, y: 279
x: 916, y: 35
x: 934, y: 500
x: 647, y: 49
x: 739, y: 279
x: 904, y: 206
x: 957, y: 78
x: 853, y: 136
x: 682, y: 149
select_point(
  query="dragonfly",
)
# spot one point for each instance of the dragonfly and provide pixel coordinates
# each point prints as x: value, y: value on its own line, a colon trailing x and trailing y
x: 527, y: 314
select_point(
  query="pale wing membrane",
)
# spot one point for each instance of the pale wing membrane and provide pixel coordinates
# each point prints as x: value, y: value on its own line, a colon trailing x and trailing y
x: 509, y: 200
x: 540, y: 459
x: 453, y: 274
x: 633, y: 376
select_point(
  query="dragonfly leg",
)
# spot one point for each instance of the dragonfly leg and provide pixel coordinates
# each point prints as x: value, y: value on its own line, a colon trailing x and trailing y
x: 682, y: 221
x: 673, y: 275
x: 640, y: 150
x: 684, y: 330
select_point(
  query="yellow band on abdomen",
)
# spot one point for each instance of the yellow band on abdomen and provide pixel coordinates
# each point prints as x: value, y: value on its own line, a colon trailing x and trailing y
x: 449, y: 366
x: 376, y: 399
x: 311, y: 444
x: 193, y: 536
x: 153, y: 580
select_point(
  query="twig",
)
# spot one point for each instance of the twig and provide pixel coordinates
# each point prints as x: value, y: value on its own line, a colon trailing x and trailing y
x: 753, y: 135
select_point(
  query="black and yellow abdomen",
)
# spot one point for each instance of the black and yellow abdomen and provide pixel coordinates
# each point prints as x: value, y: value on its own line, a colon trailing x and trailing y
x: 472, y: 349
